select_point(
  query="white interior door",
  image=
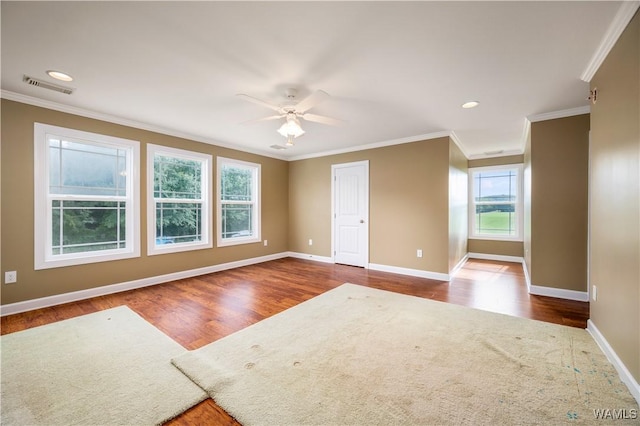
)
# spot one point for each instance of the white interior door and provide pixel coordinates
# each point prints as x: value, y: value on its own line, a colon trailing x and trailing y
x: 351, y: 213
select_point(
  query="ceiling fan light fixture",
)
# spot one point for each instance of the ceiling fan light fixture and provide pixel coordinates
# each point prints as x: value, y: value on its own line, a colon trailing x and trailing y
x: 291, y: 127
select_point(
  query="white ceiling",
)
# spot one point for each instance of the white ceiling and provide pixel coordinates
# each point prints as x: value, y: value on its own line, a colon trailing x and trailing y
x: 395, y: 71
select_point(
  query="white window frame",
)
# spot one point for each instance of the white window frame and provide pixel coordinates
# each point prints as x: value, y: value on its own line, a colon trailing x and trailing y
x: 43, y: 240
x: 519, y: 206
x: 257, y: 217
x: 206, y: 161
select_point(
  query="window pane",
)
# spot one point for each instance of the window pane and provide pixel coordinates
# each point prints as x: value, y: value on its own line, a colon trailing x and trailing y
x: 498, y: 185
x: 237, y: 220
x: 83, y: 226
x: 496, y: 219
x: 177, y: 178
x: 236, y: 183
x: 85, y: 169
x: 178, y: 223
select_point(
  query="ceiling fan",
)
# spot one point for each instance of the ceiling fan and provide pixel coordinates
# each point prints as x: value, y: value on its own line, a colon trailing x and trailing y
x: 292, y: 112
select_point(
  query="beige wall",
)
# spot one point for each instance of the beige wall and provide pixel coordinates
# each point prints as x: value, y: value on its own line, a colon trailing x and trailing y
x: 501, y: 248
x: 615, y: 198
x: 559, y: 202
x: 17, y: 210
x: 310, y: 205
x: 408, y: 203
x: 458, y: 205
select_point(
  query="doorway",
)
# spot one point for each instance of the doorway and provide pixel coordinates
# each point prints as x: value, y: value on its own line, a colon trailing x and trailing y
x: 350, y: 213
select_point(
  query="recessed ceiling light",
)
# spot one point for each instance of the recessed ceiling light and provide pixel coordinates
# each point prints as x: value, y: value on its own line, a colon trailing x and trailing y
x: 59, y: 75
x: 470, y: 104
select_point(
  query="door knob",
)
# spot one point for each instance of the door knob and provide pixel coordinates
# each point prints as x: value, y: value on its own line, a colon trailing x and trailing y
x: 361, y: 220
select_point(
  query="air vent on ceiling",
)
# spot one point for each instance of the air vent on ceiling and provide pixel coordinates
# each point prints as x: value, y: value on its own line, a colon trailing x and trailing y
x: 278, y: 147
x: 46, y: 85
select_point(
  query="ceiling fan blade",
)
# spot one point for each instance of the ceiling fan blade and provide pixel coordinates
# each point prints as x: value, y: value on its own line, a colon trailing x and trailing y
x: 322, y: 119
x: 310, y: 101
x: 258, y: 120
x: 258, y: 101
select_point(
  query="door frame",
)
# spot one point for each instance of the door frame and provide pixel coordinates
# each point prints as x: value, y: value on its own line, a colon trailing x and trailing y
x: 334, y: 167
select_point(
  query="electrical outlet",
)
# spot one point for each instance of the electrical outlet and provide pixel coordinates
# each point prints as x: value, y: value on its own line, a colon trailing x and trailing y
x: 310, y: 242
x: 10, y: 277
x: 419, y: 253
x: 266, y: 243
x: 594, y: 293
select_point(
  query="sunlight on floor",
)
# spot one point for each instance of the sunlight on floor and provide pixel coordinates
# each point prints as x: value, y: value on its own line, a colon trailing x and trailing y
x: 492, y: 286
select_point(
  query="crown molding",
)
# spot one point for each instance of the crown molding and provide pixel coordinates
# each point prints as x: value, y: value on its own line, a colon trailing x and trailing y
x: 526, y: 130
x: 619, y: 23
x: 30, y: 100
x: 526, y: 133
x: 456, y: 140
x: 559, y: 114
x: 381, y: 144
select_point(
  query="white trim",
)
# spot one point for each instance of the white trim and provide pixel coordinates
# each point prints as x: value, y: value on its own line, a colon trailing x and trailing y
x: 411, y: 272
x: 29, y: 100
x: 206, y: 163
x: 527, y: 277
x: 560, y: 293
x: 526, y: 132
x: 306, y: 256
x: 617, y: 26
x: 256, y: 201
x: 381, y: 144
x: 496, y: 257
x: 459, y: 265
x: 625, y: 375
x: 519, y: 203
x: 43, y: 253
x: 44, y: 302
x: 456, y: 140
x: 552, y: 115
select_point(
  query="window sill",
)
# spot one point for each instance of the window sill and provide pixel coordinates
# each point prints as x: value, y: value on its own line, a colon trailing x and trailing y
x: 238, y: 241
x: 492, y: 238
x: 84, y: 259
x: 177, y: 248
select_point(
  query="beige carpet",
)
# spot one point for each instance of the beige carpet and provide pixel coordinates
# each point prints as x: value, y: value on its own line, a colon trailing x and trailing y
x: 107, y: 368
x: 361, y: 356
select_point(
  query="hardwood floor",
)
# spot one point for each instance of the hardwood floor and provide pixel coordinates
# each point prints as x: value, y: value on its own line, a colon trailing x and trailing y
x: 197, y: 311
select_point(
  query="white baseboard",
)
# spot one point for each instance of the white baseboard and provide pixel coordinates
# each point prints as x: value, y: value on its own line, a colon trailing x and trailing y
x: 411, y: 272
x: 384, y: 268
x: 527, y: 277
x: 44, y: 302
x: 613, y: 358
x: 459, y: 265
x: 497, y: 257
x: 323, y: 259
x: 559, y: 293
